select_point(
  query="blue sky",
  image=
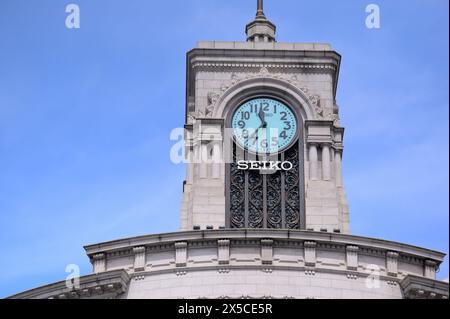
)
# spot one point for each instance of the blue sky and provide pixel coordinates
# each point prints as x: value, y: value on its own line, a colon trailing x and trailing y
x: 85, y: 118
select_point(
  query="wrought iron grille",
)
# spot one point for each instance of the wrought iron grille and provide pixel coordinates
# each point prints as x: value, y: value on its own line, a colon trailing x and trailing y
x: 274, y: 200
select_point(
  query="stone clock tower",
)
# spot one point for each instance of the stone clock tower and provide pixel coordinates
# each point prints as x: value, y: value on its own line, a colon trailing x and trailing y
x: 221, y: 77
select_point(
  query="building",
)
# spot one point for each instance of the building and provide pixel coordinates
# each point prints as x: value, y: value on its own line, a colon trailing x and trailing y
x: 264, y: 212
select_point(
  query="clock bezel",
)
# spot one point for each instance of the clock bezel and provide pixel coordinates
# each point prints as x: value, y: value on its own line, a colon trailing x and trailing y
x: 265, y: 96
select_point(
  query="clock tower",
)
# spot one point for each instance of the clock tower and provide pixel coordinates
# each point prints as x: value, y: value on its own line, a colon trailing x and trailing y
x: 264, y: 143
x: 264, y: 213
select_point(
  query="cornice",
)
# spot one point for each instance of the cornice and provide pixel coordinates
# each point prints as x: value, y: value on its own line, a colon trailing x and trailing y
x: 367, y: 245
x: 111, y: 283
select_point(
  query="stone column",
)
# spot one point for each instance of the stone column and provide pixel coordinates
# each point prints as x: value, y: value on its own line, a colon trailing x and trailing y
x: 203, y: 160
x: 326, y: 163
x: 217, y: 160
x: 313, y: 162
x: 338, y: 167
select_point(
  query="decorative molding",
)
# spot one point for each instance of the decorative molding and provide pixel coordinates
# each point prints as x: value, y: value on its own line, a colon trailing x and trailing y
x: 104, y: 285
x: 352, y: 276
x: 223, y: 247
x: 139, y: 258
x: 213, y: 98
x: 352, y: 257
x: 99, y: 262
x: 181, y: 254
x: 223, y: 270
x: 266, y: 251
x: 180, y: 273
x: 430, y: 267
x: 415, y: 287
x: 310, y: 253
x: 392, y: 283
x: 305, y: 66
x: 139, y: 278
x: 392, y: 263
x: 180, y: 244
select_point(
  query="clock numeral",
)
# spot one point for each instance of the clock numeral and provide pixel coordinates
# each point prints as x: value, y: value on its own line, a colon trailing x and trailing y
x: 254, y: 108
x: 275, y: 108
x: 274, y: 142
x: 265, y: 106
x: 241, y: 124
x: 245, y: 115
x: 288, y: 124
x: 283, y: 116
x: 245, y: 134
x: 283, y: 135
x: 264, y: 143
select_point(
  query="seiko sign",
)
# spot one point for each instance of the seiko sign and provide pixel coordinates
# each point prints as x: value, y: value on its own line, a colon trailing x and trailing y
x: 265, y: 165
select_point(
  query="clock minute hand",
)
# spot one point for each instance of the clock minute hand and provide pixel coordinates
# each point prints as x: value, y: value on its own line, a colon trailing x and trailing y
x: 262, y: 116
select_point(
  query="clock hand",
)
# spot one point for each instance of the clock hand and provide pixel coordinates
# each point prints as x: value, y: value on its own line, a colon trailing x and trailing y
x: 262, y: 116
x: 264, y: 125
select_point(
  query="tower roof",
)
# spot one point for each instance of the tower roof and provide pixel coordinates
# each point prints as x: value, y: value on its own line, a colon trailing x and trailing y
x: 260, y: 29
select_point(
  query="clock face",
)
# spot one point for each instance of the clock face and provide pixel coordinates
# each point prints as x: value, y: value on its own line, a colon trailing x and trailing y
x: 264, y: 125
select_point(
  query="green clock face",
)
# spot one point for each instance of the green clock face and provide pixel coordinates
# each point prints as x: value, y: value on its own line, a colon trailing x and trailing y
x: 264, y: 125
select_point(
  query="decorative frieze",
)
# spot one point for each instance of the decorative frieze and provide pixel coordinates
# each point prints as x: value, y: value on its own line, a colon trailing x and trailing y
x: 266, y: 251
x: 315, y: 66
x: 99, y: 263
x: 392, y: 263
x: 213, y: 97
x: 223, y: 251
x: 310, y: 253
x: 139, y: 258
x: 181, y: 254
x: 352, y: 257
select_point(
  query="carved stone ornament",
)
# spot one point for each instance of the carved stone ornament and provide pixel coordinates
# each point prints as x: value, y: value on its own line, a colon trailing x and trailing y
x: 214, y: 98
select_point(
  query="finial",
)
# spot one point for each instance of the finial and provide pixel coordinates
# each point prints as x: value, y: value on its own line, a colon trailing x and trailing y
x: 260, y: 10
x: 261, y: 29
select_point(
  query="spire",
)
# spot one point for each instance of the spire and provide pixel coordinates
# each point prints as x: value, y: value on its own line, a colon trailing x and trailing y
x: 261, y: 29
x: 260, y: 11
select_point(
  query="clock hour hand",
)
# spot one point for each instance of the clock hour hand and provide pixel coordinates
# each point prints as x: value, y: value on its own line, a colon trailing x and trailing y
x: 264, y: 125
